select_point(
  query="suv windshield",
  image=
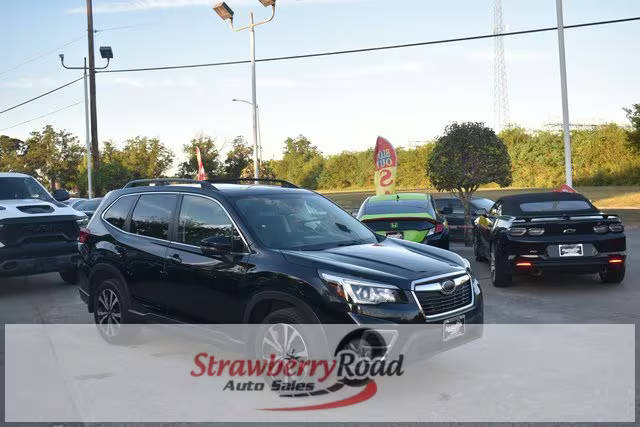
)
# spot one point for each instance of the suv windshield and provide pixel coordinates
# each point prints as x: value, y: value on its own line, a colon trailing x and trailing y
x: 22, y: 188
x: 301, y: 222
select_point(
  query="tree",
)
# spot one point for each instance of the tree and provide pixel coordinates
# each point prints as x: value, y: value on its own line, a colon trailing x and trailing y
x: 210, y: 158
x: 633, y: 114
x: 302, y: 163
x: 238, y: 158
x: 466, y: 156
x: 145, y: 157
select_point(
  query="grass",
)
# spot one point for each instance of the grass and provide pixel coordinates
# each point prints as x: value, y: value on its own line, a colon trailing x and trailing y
x: 624, y: 200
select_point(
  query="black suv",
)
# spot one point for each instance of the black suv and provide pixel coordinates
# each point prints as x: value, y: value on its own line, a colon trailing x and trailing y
x: 205, y: 252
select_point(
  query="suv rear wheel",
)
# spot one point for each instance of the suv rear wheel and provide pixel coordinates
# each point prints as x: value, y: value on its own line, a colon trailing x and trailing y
x: 613, y: 274
x: 111, y: 311
x: 500, y: 274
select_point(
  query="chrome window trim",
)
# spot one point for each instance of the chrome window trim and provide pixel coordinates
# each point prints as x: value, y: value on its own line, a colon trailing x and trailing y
x: 439, y: 316
x: 171, y: 241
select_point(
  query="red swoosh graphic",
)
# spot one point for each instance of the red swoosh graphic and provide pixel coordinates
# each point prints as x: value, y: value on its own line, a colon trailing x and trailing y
x: 365, y: 394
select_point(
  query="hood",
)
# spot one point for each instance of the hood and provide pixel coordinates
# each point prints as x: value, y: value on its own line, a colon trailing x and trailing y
x: 33, y: 208
x: 394, y: 262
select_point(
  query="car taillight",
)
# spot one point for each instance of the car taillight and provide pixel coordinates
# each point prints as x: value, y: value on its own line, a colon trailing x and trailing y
x: 616, y: 228
x: 517, y: 231
x: 600, y: 229
x: 535, y: 231
x: 616, y: 260
x: 83, y: 235
x: 439, y: 227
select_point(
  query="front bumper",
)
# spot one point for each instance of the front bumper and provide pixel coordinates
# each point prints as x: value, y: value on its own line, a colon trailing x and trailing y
x: 28, y: 266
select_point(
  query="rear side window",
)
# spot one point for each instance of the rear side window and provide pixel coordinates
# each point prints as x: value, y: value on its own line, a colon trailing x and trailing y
x: 152, y: 215
x: 202, y: 218
x: 116, y: 215
x: 455, y: 205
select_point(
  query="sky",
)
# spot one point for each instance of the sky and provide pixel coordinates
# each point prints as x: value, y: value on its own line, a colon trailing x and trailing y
x: 339, y: 102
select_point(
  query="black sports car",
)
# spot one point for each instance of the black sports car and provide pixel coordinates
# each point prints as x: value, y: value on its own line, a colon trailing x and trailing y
x: 543, y: 231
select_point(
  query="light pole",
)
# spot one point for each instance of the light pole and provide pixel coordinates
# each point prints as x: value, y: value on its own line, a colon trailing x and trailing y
x: 565, y: 100
x: 259, y: 129
x: 106, y: 52
x: 226, y: 13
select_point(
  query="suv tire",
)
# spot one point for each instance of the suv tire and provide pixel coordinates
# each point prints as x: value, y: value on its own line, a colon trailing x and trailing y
x: 613, y: 275
x: 111, y: 311
x: 70, y: 276
x: 500, y: 275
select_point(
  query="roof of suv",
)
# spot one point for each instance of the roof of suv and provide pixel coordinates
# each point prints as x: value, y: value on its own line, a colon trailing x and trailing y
x: 13, y: 175
x: 226, y: 189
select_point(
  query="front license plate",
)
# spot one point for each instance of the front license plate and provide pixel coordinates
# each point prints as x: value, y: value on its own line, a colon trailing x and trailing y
x: 395, y: 235
x: 571, y: 250
x: 452, y: 328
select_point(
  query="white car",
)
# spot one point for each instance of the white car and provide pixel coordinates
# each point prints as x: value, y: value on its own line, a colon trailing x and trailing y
x: 38, y: 233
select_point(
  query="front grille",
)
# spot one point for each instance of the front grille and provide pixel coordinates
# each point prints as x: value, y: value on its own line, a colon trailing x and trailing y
x: 41, y: 231
x: 435, y: 302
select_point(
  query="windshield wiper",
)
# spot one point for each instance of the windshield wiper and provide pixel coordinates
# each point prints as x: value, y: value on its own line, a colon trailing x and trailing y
x: 351, y: 243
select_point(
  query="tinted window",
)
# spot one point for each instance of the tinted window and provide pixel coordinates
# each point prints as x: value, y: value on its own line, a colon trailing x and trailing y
x: 454, y: 204
x: 378, y: 207
x: 152, y: 215
x: 201, y: 218
x: 116, y: 215
x: 555, y: 206
x: 482, y: 203
x: 302, y: 221
x: 22, y: 188
x: 88, y: 205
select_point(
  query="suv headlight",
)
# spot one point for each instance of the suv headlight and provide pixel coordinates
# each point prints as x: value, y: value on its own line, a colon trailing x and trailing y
x: 362, y: 292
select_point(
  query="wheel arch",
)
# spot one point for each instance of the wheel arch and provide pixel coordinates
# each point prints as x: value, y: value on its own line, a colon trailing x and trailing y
x: 266, y: 302
x: 101, y: 272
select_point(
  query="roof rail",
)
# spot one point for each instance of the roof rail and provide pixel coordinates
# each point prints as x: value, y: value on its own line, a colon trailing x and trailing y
x: 282, y: 182
x: 167, y: 181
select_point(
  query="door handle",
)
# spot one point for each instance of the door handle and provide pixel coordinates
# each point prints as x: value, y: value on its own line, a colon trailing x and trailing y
x: 175, y: 258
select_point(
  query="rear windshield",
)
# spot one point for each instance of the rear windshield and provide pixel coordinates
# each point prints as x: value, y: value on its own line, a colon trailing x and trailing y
x: 556, y: 206
x: 384, y: 207
x: 22, y: 188
x: 88, y: 205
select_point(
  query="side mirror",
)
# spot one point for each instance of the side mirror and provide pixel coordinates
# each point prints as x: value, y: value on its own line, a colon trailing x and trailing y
x: 61, y: 195
x: 447, y: 210
x: 216, y: 245
x: 481, y: 212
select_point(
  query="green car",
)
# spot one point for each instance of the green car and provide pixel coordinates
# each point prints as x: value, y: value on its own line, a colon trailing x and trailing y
x: 408, y: 216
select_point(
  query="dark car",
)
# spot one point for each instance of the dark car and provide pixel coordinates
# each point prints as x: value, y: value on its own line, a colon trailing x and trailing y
x: 550, y: 231
x: 407, y: 216
x: 453, y: 210
x: 88, y: 207
x: 231, y: 253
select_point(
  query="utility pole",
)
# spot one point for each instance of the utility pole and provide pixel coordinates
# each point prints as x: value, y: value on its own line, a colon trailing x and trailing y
x: 565, y: 100
x: 92, y: 88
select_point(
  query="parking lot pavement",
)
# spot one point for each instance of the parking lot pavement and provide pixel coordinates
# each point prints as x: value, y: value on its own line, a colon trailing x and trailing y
x: 548, y: 299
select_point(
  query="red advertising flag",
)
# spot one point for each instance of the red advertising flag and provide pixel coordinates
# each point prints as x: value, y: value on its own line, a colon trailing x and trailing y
x: 564, y: 189
x: 386, y: 163
x: 201, y: 173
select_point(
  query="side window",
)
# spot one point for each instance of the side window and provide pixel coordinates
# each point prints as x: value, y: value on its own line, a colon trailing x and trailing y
x: 201, y: 218
x: 496, y: 210
x: 116, y: 215
x: 152, y: 215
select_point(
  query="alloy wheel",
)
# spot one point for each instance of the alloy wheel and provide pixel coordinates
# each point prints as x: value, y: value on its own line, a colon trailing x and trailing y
x: 109, y: 312
x: 284, y: 342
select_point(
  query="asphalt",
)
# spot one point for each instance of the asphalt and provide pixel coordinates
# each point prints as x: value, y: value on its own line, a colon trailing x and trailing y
x: 553, y: 298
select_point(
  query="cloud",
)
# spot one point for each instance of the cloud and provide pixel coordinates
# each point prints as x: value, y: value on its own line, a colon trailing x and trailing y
x: 141, y: 5
x: 29, y: 82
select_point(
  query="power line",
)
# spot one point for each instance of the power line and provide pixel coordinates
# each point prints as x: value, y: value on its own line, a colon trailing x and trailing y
x: 42, y: 55
x: 373, y: 49
x: 44, y: 115
x: 41, y: 95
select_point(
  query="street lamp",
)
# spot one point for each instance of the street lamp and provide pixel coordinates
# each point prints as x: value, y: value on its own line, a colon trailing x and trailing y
x: 106, y: 53
x: 259, y: 127
x: 226, y: 14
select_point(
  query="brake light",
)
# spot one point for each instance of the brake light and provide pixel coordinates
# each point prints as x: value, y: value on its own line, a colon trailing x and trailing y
x: 600, y: 229
x: 439, y: 227
x: 83, y: 235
